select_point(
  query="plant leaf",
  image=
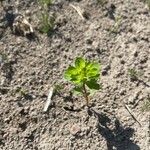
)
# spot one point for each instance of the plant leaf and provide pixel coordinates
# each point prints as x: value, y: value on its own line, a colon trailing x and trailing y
x: 92, y: 84
x: 77, y: 90
x: 80, y: 63
x: 93, y: 70
x: 70, y: 72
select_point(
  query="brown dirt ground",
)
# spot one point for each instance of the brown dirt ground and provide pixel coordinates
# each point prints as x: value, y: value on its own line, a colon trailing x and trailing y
x: 28, y: 68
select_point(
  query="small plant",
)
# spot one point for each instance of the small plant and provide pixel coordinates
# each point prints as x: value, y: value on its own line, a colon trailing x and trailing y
x: 146, y: 106
x: 102, y: 2
x: 47, y: 23
x: 21, y: 91
x: 135, y: 75
x: 148, y: 3
x: 116, y: 26
x: 46, y: 2
x: 3, y: 57
x: 84, y: 75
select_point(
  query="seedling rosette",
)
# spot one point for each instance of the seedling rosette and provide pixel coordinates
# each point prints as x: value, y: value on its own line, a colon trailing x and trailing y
x: 84, y: 75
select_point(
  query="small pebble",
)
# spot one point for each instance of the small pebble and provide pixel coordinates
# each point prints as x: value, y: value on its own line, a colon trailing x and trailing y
x: 27, y: 12
x: 75, y: 129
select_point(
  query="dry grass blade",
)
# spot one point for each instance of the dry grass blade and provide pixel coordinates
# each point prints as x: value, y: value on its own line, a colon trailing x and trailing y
x: 132, y: 115
x: 78, y: 9
x: 48, y: 102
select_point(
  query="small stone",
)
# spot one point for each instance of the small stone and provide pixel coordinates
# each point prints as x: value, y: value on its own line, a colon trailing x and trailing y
x: 95, y: 44
x: 75, y: 129
x: 7, y: 120
x: 122, y: 91
x: 27, y: 12
x: 18, y: 40
x: 33, y: 96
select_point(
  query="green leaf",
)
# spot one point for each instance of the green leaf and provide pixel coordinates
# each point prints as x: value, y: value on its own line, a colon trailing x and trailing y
x: 93, y: 70
x: 77, y: 90
x: 93, y: 66
x: 80, y: 63
x: 77, y: 79
x: 92, y: 84
x: 70, y: 72
x: 92, y: 73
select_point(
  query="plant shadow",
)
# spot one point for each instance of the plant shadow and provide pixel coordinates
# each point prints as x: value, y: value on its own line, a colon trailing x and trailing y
x: 111, y: 11
x: 143, y: 82
x: 117, y: 137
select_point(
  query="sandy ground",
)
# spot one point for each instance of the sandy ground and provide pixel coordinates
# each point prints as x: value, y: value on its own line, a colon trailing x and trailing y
x: 117, y: 35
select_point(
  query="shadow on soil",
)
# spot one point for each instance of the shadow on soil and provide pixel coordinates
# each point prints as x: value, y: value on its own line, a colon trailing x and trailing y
x: 117, y: 138
x: 144, y: 83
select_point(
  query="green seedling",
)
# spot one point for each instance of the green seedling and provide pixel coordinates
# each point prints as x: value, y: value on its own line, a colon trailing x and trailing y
x: 47, y: 23
x: 134, y: 75
x: 102, y: 2
x: 116, y: 26
x: 84, y: 75
x: 46, y: 2
x: 22, y: 92
x: 3, y: 58
x: 148, y: 3
x: 146, y: 106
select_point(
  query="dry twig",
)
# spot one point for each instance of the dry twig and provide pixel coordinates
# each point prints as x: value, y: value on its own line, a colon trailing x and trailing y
x: 130, y: 112
x: 78, y: 9
x: 48, y: 102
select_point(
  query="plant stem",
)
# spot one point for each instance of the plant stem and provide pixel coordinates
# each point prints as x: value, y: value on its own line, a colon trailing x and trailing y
x: 85, y: 94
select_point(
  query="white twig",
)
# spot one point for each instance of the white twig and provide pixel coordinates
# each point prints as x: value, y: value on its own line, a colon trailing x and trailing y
x: 48, y: 102
x: 78, y: 9
x: 132, y: 115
